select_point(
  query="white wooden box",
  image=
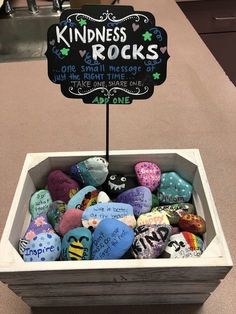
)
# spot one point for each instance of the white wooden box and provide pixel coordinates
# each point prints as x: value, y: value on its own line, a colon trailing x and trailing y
x: 72, y: 283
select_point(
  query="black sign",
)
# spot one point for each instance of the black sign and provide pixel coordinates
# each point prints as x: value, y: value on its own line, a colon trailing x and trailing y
x: 107, y: 54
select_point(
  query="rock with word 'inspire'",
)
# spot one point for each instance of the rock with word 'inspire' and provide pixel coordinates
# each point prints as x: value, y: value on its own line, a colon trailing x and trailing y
x: 61, y: 186
x: 175, y: 211
x: 140, y: 198
x: 173, y: 189
x: 43, y: 247
x: 153, y: 218
x: 92, y: 171
x: 192, y: 223
x: 184, y: 244
x: 84, y: 198
x: 37, y: 226
x: 103, y: 197
x: 111, y: 239
x: 76, y: 245
x: 150, y: 240
x: 93, y: 215
x: 55, y: 213
x: 39, y: 203
x: 148, y: 174
x: 118, y: 183
x: 71, y: 219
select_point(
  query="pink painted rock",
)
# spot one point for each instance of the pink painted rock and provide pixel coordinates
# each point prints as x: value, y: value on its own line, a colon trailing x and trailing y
x: 70, y: 220
x: 61, y: 187
x: 148, y: 174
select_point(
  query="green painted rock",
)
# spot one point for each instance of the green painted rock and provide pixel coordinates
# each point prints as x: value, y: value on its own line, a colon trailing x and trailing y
x: 39, y: 203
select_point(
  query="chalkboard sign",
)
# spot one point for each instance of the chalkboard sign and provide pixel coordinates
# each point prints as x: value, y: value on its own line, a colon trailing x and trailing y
x: 107, y: 54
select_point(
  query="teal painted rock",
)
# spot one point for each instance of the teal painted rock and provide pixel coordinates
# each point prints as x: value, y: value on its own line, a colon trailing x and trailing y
x: 76, y: 245
x: 37, y: 226
x: 173, y: 189
x: 39, y: 203
x: 84, y: 198
x: 55, y: 213
x: 93, y: 215
x: 175, y: 211
x: 43, y: 247
x: 153, y: 218
x: 92, y: 171
x: 111, y: 239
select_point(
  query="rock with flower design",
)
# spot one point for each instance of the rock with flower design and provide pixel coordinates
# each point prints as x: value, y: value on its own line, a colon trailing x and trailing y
x: 148, y: 174
x: 38, y: 225
x: 39, y: 203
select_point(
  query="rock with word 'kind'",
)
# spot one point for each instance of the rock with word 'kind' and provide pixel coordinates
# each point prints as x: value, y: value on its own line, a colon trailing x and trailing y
x: 148, y: 174
x: 39, y: 203
x: 84, y: 198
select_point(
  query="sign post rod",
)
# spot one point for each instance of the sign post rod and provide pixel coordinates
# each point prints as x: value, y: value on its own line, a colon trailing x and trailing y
x: 107, y: 131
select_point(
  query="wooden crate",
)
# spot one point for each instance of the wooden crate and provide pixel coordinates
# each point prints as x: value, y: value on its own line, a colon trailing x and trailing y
x: 72, y: 283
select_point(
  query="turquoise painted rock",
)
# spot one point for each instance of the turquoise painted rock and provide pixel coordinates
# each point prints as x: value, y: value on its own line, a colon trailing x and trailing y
x: 148, y: 174
x: 84, y: 198
x: 175, y: 211
x: 55, y: 213
x: 76, y: 245
x: 173, y: 189
x: 140, y: 198
x: 38, y: 225
x: 183, y: 245
x: 150, y: 240
x: 71, y: 219
x: 93, y: 215
x: 111, y: 239
x: 153, y: 218
x: 43, y: 247
x: 92, y: 171
x: 39, y: 203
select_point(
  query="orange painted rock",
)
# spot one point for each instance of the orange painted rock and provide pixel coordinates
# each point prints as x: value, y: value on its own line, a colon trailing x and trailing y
x: 192, y: 223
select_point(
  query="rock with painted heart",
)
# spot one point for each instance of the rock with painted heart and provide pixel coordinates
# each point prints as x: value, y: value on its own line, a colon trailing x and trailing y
x: 111, y: 239
x: 103, y: 197
x: 55, y: 213
x: 140, y: 198
x: 148, y: 174
x: 173, y: 189
x: 61, y: 186
x: 76, y: 245
x: 92, y: 171
x: 153, y: 218
x: 93, y: 215
x: 71, y: 219
x: 38, y: 225
x: 175, y: 211
x: 43, y: 247
x: 84, y: 198
x: 118, y: 183
x: 192, y: 223
x: 39, y: 203
x: 184, y: 244
x: 150, y: 240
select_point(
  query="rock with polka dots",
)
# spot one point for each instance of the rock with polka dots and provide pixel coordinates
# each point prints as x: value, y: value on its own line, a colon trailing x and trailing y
x: 192, y: 223
x: 43, y: 247
x: 173, y: 189
x: 148, y: 174
x: 37, y: 226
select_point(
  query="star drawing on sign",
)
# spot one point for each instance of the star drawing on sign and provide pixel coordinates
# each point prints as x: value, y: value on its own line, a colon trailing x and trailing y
x: 156, y: 76
x: 147, y: 36
x: 65, y: 51
x: 82, y: 22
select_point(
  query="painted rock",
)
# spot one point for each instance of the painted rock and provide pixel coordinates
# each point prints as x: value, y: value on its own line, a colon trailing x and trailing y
x: 71, y: 219
x: 76, y: 245
x: 37, y: 226
x: 173, y: 189
x: 92, y: 171
x: 192, y: 223
x: 140, y: 198
x: 103, y: 197
x: 175, y: 230
x: 111, y: 239
x: 61, y: 186
x: 175, y: 211
x: 118, y: 183
x: 55, y: 213
x: 150, y: 240
x: 93, y: 215
x: 43, y: 247
x: 184, y: 244
x: 39, y: 203
x: 148, y: 174
x: 22, y: 245
x: 84, y: 198
x: 153, y: 218
x: 155, y: 201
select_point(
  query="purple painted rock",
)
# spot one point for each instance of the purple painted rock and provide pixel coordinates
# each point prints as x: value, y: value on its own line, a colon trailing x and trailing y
x: 61, y: 187
x: 38, y: 225
x: 140, y: 198
x: 150, y: 240
x: 148, y: 174
x: 71, y: 219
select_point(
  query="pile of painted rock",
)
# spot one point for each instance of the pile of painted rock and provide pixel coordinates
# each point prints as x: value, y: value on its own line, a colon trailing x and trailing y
x: 90, y: 213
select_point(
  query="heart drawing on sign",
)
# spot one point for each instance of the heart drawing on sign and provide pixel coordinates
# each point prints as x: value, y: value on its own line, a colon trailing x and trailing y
x: 52, y: 42
x: 82, y: 53
x: 135, y: 27
x: 163, y: 49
